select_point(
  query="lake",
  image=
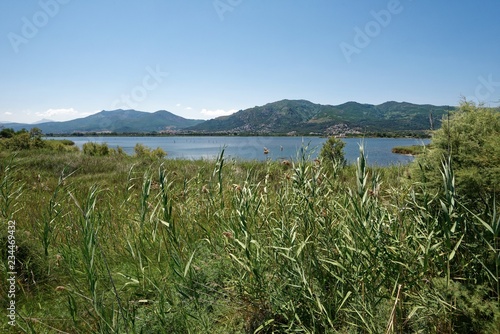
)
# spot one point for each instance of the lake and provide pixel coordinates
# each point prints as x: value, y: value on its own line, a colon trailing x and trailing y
x: 378, y: 150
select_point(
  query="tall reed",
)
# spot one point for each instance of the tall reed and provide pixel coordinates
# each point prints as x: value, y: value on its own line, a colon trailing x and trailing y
x: 248, y: 247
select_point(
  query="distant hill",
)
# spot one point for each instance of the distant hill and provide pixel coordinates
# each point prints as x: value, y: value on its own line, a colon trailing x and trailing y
x: 43, y: 120
x: 121, y: 121
x: 278, y: 117
x: 282, y: 117
x: 304, y: 117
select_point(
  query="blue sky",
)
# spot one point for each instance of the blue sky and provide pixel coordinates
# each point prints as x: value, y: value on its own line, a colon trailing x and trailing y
x: 65, y: 59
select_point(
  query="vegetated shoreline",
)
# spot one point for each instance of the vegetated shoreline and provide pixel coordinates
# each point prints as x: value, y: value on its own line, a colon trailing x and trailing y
x: 409, y: 134
x: 412, y: 150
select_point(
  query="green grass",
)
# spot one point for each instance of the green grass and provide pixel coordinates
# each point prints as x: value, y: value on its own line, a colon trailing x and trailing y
x: 411, y: 150
x: 117, y: 244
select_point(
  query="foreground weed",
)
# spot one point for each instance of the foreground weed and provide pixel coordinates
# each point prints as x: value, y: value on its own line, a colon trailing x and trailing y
x: 10, y: 190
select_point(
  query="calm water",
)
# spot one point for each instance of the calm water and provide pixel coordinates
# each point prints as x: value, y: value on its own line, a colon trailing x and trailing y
x: 378, y: 150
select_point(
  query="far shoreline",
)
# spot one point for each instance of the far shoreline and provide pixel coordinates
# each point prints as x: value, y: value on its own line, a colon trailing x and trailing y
x: 155, y: 134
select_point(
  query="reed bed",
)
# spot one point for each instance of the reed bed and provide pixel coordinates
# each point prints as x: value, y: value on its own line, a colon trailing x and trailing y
x: 116, y: 244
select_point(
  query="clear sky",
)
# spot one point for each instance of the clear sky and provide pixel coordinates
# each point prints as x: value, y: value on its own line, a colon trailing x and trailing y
x: 65, y: 59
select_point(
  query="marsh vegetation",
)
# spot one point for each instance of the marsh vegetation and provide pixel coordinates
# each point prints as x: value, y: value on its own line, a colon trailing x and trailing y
x: 111, y: 243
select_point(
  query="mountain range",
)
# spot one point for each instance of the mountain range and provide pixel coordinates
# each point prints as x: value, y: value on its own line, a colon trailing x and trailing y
x: 117, y: 121
x: 277, y: 118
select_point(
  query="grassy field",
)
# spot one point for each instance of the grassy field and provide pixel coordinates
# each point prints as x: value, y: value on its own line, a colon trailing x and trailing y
x: 120, y: 244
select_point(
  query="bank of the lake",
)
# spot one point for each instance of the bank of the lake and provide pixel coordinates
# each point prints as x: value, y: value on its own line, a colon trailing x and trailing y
x: 378, y: 150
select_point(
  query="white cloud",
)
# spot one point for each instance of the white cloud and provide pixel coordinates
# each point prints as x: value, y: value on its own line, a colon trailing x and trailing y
x: 218, y: 112
x: 58, y: 112
x: 61, y: 114
x: 178, y: 105
x: 189, y: 108
x: 8, y: 113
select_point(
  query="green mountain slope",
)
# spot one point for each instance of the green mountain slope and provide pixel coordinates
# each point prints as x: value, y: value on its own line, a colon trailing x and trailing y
x: 281, y: 117
x: 387, y: 117
x: 278, y: 117
x: 121, y: 121
x: 303, y: 117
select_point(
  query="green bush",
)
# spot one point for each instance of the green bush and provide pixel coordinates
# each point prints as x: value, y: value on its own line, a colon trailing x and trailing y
x: 471, y: 137
x: 64, y: 145
x: 117, y: 151
x: 95, y: 149
x: 333, y: 151
x: 7, y: 133
x: 67, y: 142
x: 142, y: 152
x: 21, y: 140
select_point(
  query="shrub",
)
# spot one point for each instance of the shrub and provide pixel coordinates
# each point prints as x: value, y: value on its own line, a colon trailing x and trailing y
x: 64, y: 145
x: 35, y: 138
x: 158, y: 153
x: 142, y: 151
x: 67, y: 142
x: 471, y: 137
x: 20, y: 141
x: 7, y: 133
x: 117, y: 151
x: 333, y: 152
x: 95, y: 149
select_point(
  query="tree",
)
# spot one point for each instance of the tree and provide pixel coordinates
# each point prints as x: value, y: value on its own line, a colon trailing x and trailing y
x: 20, y: 141
x: 36, y: 138
x: 470, y: 136
x: 7, y: 133
x: 333, y: 152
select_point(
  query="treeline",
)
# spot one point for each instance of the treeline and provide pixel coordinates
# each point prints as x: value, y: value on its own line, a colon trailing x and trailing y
x: 180, y: 133
x: 21, y: 140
